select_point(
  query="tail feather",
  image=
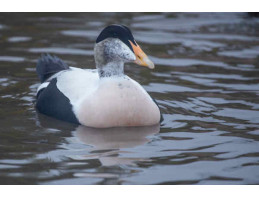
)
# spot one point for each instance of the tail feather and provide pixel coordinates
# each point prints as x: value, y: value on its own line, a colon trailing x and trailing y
x: 49, y: 65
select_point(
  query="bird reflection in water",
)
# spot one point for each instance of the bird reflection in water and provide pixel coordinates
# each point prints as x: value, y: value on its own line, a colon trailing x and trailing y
x: 107, y: 145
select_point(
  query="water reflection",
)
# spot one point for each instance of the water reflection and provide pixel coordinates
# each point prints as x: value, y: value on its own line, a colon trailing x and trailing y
x: 108, y: 143
x: 103, y: 144
x: 115, y: 138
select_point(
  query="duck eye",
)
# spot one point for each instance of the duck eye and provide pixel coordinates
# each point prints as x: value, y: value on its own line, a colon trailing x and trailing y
x: 138, y: 56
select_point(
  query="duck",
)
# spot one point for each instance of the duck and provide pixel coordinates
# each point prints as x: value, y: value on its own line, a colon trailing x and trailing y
x: 104, y: 97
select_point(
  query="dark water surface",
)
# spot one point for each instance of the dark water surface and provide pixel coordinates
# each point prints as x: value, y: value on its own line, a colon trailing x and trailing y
x: 206, y: 83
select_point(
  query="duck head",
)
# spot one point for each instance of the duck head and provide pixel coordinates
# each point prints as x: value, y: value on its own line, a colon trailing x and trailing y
x: 114, y: 46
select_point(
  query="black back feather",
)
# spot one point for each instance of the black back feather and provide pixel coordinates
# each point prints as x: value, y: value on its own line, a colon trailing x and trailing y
x: 49, y: 65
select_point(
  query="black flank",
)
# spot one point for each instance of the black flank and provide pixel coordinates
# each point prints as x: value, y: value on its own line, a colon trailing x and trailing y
x: 161, y: 116
x: 54, y: 103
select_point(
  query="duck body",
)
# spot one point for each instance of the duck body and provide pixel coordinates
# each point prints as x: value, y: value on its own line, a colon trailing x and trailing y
x: 103, y: 97
x: 79, y: 96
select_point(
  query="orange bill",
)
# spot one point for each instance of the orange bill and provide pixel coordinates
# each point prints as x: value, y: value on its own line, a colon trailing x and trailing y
x: 141, y: 58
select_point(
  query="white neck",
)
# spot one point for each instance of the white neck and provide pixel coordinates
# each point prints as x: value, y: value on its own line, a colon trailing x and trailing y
x: 115, y: 68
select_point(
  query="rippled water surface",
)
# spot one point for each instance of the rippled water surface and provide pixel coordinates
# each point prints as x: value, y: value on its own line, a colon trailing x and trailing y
x: 206, y: 83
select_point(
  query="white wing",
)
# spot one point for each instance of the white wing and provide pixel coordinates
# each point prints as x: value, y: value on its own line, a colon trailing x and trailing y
x: 77, y: 83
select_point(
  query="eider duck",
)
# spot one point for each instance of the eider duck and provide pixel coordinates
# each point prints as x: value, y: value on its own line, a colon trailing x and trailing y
x: 103, y: 97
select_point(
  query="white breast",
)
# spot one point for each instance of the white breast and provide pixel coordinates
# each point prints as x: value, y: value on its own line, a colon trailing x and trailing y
x: 118, y: 102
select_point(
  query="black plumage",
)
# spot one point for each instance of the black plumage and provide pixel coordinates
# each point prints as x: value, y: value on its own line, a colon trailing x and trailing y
x: 54, y: 103
x: 49, y: 65
x: 117, y: 31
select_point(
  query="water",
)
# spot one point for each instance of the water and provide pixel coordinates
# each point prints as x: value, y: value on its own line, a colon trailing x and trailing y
x: 206, y: 83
